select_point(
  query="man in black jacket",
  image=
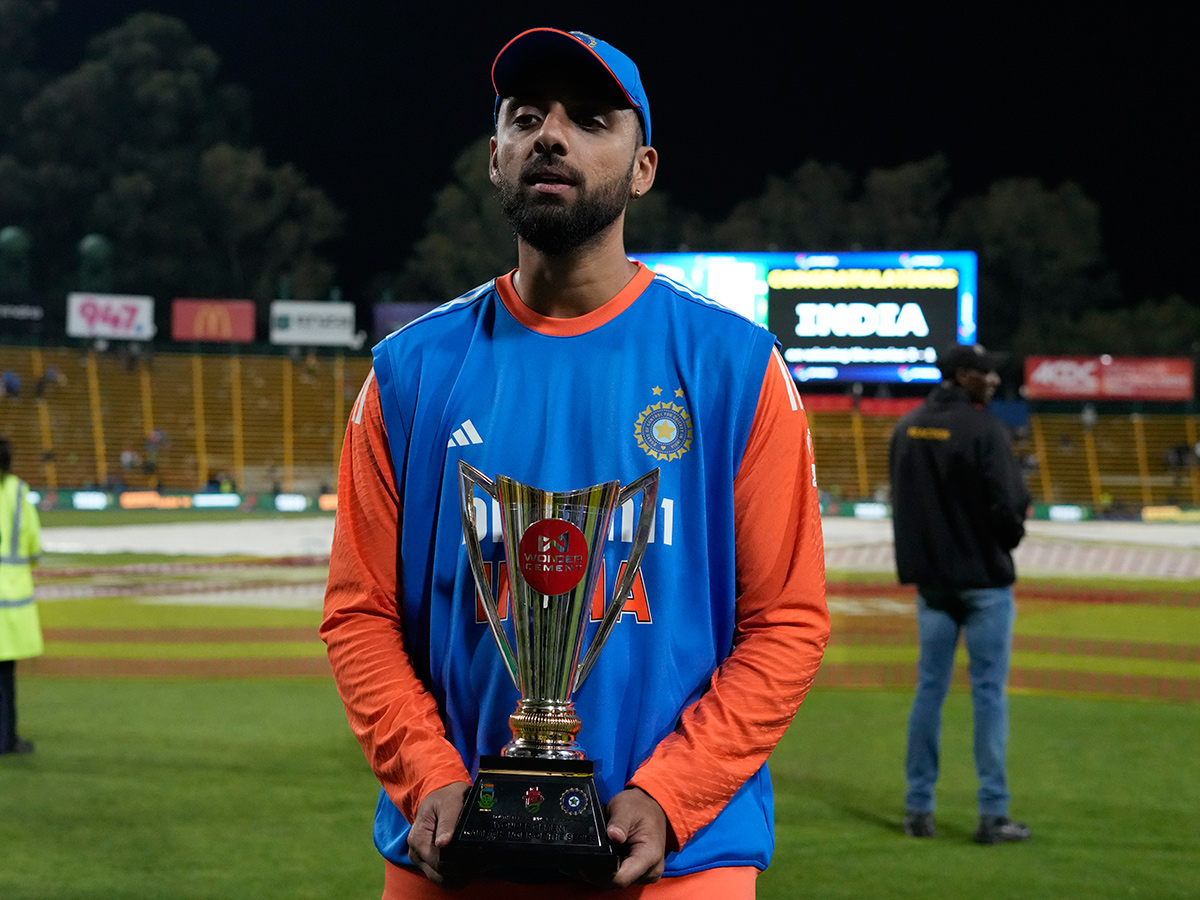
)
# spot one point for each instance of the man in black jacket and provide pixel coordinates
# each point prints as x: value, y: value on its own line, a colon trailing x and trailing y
x: 958, y: 510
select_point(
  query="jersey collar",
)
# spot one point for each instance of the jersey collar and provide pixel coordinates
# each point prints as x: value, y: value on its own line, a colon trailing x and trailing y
x: 579, y: 324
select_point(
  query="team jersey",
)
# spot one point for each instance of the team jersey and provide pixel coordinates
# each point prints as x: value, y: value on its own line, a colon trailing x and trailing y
x: 726, y: 622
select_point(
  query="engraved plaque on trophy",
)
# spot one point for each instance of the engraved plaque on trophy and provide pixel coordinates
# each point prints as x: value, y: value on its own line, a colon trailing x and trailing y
x: 535, y: 804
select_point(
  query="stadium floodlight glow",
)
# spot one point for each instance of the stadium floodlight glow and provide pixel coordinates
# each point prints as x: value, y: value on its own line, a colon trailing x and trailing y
x: 216, y: 501
x: 90, y: 500
x: 866, y: 317
x: 1065, y: 513
x: 291, y: 503
x: 870, y: 511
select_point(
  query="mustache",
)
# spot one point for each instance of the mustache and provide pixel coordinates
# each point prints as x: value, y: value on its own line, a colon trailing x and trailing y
x: 543, y: 161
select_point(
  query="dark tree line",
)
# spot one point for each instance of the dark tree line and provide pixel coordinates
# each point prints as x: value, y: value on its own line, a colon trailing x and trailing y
x: 143, y: 144
x: 1043, y: 282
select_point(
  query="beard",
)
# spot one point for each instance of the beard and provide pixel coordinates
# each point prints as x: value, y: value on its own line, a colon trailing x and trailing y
x: 556, y: 228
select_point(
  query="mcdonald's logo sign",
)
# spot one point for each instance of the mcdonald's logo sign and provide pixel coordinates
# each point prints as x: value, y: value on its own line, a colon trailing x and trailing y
x: 224, y: 321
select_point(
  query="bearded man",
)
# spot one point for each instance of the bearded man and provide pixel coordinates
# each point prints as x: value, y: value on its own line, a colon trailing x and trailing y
x: 581, y: 367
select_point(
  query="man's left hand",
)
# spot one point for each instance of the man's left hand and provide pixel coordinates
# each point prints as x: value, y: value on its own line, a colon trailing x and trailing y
x: 639, y: 825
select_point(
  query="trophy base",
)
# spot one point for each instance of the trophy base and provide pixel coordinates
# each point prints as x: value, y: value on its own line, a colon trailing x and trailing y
x: 532, y: 813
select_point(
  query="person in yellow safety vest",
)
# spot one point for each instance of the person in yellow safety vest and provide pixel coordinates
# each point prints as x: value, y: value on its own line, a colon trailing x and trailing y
x: 20, y: 628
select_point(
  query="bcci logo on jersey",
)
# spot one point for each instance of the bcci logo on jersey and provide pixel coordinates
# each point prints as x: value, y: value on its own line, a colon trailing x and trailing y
x: 664, y: 430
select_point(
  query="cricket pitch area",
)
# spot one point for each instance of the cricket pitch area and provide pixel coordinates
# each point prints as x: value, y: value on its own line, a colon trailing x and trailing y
x: 1104, y: 608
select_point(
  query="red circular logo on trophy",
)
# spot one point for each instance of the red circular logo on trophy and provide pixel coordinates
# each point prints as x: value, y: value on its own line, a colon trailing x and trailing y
x: 552, y: 556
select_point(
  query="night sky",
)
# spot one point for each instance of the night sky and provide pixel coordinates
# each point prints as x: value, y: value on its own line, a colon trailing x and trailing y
x: 374, y: 101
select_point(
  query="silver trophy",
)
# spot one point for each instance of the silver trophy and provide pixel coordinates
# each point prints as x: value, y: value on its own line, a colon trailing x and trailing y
x: 536, y: 803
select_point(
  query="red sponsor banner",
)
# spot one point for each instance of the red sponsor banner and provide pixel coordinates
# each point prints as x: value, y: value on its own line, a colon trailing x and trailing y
x: 224, y: 321
x: 1108, y: 378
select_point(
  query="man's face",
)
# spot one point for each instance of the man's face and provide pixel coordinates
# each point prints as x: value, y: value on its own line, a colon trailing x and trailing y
x: 980, y: 386
x: 566, y: 159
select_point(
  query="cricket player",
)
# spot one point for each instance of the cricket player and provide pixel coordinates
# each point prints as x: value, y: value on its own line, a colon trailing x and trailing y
x: 581, y: 366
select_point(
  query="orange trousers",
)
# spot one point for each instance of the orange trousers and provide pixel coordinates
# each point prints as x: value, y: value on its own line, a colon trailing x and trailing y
x: 730, y: 883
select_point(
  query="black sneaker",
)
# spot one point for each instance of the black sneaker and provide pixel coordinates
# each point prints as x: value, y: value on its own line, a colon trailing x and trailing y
x: 919, y: 824
x: 20, y: 747
x: 1000, y: 830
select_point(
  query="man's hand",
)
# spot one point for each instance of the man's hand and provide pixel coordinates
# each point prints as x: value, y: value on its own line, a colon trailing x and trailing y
x: 434, y: 826
x: 638, y: 823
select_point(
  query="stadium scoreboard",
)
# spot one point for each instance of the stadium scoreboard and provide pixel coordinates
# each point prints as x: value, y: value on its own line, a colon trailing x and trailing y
x: 868, y: 317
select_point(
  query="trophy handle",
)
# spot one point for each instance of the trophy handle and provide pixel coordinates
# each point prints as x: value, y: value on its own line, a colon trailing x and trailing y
x: 468, y: 478
x: 647, y: 485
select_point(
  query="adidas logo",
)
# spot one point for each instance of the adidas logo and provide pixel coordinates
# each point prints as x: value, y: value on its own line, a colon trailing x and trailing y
x: 464, y: 434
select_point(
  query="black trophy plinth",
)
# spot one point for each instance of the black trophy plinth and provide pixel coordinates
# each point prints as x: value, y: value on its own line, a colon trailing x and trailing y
x: 532, y: 813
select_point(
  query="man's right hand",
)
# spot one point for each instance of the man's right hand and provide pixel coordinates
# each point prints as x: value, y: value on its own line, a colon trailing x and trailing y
x: 434, y: 826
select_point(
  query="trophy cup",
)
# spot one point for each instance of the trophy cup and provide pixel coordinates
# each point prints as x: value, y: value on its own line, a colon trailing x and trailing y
x: 536, y: 804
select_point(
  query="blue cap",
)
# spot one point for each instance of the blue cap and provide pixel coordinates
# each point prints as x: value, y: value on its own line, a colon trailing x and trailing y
x: 528, y: 45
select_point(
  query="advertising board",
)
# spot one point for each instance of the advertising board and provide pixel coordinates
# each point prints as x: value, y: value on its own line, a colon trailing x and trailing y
x: 114, y: 316
x: 313, y: 324
x: 868, y: 317
x: 1109, y: 378
x: 217, y: 321
x: 20, y: 314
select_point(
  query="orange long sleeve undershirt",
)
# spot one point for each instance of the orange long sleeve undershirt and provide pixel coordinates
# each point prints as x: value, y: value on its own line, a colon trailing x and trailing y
x: 721, y: 740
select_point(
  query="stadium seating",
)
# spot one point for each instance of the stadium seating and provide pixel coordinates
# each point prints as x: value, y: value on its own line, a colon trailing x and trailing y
x: 263, y: 422
x: 177, y: 421
x: 1123, y: 460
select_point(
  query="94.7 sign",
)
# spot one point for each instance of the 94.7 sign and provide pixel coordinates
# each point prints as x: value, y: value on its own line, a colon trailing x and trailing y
x: 116, y: 316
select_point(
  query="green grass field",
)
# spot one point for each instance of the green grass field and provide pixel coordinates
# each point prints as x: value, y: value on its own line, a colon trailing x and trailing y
x: 1106, y: 786
x: 62, y: 518
x: 181, y: 789
x: 202, y: 787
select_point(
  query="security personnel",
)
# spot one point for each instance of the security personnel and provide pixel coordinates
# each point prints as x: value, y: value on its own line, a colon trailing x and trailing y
x: 20, y: 628
x: 958, y: 511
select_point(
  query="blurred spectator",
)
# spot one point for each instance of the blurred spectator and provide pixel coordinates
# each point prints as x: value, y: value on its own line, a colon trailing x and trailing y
x: 50, y: 377
x: 156, y: 440
x: 1179, y: 456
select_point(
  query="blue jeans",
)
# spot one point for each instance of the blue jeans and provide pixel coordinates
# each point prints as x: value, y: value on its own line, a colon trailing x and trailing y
x: 985, y: 618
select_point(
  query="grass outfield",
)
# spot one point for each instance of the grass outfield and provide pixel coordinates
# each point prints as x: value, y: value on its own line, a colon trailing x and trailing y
x: 1107, y: 786
x: 60, y: 518
x: 186, y: 789
x: 182, y: 789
